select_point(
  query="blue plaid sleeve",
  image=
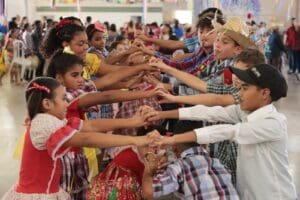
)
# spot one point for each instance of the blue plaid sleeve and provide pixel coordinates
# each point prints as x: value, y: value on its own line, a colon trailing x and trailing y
x: 167, y: 182
x: 191, y: 43
x: 189, y: 64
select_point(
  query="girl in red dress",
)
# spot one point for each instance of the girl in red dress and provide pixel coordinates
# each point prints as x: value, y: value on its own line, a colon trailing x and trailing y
x: 49, y: 136
x: 83, y: 98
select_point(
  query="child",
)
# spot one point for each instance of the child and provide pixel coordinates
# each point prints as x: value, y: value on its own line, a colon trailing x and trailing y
x: 122, y: 179
x: 82, y: 94
x: 193, y: 175
x: 15, y: 70
x: 49, y: 136
x: 83, y: 98
x: 260, y: 131
x: 97, y: 35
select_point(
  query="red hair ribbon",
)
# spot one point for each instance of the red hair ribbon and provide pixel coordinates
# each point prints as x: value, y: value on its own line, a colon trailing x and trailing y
x: 62, y: 23
x: 36, y: 86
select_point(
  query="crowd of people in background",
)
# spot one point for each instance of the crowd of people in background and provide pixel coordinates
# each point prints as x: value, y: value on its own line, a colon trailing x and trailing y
x: 147, y: 111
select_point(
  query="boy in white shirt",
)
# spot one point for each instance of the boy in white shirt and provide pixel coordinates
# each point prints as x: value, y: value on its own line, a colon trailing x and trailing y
x: 255, y: 124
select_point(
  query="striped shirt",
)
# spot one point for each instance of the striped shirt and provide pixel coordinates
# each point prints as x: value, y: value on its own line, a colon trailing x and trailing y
x: 195, y: 176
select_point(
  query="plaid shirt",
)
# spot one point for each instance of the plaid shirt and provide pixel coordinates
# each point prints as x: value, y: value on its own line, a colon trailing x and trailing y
x: 191, y: 43
x: 226, y: 151
x: 192, y: 64
x: 213, y: 73
x: 224, y: 89
x: 129, y: 108
x: 195, y: 176
x: 93, y: 112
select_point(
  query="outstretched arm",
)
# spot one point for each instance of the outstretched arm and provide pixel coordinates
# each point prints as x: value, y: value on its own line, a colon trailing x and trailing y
x: 139, y: 119
x: 96, y: 139
x: 111, y: 96
x: 116, y: 76
x: 188, y: 79
x: 170, y: 44
x: 202, y: 99
x: 113, y: 58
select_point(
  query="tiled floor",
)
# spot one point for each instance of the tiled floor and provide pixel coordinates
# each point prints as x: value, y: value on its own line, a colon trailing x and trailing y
x: 12, y: 114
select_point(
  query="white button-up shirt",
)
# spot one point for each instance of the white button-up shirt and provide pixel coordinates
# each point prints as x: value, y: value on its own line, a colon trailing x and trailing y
x: 262, y: 163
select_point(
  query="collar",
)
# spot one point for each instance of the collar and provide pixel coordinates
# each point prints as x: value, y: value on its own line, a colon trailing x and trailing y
x: 193, y: 151
x: 261, y: 112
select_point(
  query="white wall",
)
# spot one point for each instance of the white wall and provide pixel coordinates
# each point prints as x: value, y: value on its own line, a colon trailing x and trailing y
x: 119, y: 18
x: 269, y: 10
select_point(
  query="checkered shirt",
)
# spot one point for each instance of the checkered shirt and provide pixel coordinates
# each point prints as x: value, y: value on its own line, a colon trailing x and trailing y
x: 191, y: 43
x: 129, y: 108
x: 195, y: 176
x: 192, y: 64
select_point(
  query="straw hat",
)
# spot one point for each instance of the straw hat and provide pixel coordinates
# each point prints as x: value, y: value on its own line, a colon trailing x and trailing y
x: 236, y: 29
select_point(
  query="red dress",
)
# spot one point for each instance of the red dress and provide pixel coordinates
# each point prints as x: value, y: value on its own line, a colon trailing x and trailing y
x: 40, y: 166
x: 121, y: 179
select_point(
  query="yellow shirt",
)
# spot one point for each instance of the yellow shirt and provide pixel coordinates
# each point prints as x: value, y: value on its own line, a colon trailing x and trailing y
x: 92, y: 65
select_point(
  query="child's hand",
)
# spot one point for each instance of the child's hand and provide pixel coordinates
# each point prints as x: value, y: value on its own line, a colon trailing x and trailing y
x: 138, y: 43
x: 141, y: 141
x: 164, y: 141
x: 151, y: 79
x: 164, y: 96
x: 155, y: 62
x: 136, y: 58
x: 148, y: 139
x: 150, y: 114
x: 132, y: 50
x: 154, y: 135
x: 142, y: 115
x: 147, y: 50
x: 142, y: 37
x: 135, y: 81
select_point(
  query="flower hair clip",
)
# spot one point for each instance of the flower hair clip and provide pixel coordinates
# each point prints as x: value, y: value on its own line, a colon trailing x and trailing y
x: 68, y: 50
x: 36, y: 86
x: 62, y: 23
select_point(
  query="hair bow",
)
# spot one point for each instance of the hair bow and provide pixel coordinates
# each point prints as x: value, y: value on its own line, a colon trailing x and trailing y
x: 62, y: 23
x: 100, y: 27
x: 36, y: 86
